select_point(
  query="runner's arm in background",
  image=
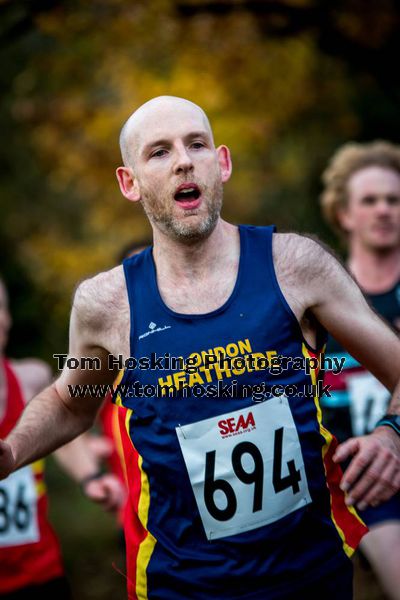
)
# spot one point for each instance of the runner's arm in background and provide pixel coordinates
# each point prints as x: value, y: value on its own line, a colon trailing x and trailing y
x: 373, y: 475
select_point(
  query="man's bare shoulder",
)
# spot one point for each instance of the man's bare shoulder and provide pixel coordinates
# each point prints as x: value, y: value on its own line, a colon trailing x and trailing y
x: 98, y: 299
x: 300, y: 256
x: 306, y: 269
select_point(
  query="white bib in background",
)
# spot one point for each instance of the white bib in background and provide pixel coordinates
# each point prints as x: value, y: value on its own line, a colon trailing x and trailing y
x: 369, y: 400
x: 18, y: 509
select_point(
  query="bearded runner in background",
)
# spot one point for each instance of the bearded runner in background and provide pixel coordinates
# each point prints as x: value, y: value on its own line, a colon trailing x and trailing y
x: 361, y: 201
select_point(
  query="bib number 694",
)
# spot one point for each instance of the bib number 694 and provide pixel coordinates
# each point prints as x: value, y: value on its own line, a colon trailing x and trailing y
x: 249, y: 476
x: 254, y: 477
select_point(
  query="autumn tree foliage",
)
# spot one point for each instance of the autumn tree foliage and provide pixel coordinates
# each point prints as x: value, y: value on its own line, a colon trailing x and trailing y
x: 284, y: 83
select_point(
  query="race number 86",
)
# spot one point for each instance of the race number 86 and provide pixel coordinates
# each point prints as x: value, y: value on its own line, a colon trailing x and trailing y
x: 14, y: 513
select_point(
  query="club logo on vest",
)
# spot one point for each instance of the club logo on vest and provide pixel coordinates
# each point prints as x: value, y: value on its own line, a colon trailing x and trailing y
x: 153, y: 329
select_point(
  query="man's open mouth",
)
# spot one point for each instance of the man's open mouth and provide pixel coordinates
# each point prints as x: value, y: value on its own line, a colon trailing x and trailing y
x: 187, y: 193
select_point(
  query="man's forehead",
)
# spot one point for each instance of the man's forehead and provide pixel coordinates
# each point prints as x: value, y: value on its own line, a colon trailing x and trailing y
x: 374, y: 178
x: 168, y: 129
x: 165, y: 119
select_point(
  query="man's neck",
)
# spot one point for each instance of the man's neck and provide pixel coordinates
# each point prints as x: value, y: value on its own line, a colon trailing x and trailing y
x: 179, y: 260
x: 375, y: 272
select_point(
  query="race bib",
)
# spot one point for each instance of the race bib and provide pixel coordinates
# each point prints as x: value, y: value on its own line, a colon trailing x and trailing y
x: 246, y: 467
x: 368, y: 402
x: 18, y: 509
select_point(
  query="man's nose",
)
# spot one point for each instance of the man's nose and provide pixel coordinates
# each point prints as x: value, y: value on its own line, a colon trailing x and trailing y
x: 183, y: 161
x: 383, y: 206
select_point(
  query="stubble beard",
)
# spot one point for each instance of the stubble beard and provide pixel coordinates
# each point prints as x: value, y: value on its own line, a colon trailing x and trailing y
x: 185, y: 229
x: 379, y: 246
x: 383, y: 248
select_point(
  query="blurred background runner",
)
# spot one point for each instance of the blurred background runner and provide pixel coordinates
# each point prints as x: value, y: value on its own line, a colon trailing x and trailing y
x: 30, y: 557
x: 361, y: 202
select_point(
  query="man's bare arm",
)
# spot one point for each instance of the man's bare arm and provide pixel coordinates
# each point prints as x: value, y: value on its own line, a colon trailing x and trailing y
x: 54, y: 416
x: 76, y: 458
x: 329, y: 292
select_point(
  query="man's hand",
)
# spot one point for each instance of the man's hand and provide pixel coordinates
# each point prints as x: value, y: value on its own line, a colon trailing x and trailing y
x: 373, y: 475
x: 100, y: 446
x: 107, y: 490
x: 7, y: 460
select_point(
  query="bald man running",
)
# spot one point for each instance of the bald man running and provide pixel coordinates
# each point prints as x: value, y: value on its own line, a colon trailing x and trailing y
x: 235, y: 490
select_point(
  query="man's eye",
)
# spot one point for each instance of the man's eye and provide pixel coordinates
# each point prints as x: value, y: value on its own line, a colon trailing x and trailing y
x: 158, y: 153
x: 197, y: 145
x: 370, y: 199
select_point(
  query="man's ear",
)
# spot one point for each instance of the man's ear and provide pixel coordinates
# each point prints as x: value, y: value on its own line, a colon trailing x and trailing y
x: 345, y: 218
x: 128, y: 184
x: 225, y: 163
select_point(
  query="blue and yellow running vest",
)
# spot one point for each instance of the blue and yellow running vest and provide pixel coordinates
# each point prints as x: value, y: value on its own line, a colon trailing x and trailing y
x: 233, y: 491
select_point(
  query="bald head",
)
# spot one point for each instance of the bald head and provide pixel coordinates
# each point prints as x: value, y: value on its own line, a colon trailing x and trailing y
x: 153, y: 118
